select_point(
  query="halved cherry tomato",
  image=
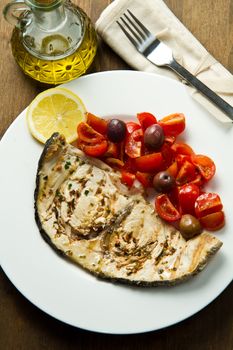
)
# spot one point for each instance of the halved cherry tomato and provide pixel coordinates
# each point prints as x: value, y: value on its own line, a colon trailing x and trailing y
x: 168, y: 154
x: 214, y: 221
x: 94, y: 150
x: 173, y: 124
x: 132, y: 126
x: 112, y: 150
x: 149, y: 163
x: 187, y: 197
x: 145, y: 178
x: 173, y: 195
x: 173, y: 169
x: 114, y: 162
x: 133, y: 143
x: 198, y: 180
x: 186, y: 173
x: 98, y: 124
x: 181, y: 158
x: 169, y: 140
x: 127, y: 178
x: 182, y: 148
x: 87, y: 134
x: 205, y: 165
x: 146, y: 119
x: 207, y: 203
x: 129, y: 165
x: 166, y: 209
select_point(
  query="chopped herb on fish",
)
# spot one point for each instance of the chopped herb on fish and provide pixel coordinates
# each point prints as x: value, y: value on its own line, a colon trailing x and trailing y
x: 67, y: 165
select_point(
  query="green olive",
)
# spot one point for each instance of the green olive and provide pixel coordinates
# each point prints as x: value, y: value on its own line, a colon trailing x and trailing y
x: 189, y: 226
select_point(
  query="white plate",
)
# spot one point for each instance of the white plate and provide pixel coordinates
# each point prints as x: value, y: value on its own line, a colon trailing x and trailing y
x: 64, y: 290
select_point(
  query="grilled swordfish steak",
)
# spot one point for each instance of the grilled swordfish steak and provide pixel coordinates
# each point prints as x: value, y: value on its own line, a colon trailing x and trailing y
x: 84, y: 211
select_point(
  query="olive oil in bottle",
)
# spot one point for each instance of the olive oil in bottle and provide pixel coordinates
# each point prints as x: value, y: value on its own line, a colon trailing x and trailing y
x: 53, y: 40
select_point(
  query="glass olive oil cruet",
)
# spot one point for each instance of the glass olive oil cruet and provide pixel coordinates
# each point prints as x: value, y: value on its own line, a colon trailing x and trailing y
x: 53, y: 41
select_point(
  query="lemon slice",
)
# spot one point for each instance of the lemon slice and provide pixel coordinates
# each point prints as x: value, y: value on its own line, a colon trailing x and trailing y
x: 55, y: 110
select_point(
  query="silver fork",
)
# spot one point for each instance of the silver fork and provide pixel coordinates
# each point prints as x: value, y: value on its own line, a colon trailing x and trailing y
x: 161, y: 55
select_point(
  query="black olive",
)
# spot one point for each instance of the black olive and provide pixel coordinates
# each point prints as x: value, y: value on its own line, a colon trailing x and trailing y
x: 154, y: 136
x: 163, y: 182
x: 116, y: 130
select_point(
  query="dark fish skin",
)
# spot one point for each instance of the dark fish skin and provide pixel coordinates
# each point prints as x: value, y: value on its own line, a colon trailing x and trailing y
x: 206, y: 245
x: 47, y: 239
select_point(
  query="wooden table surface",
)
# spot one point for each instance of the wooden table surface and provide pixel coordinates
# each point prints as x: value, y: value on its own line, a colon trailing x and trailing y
x: 22, y: 325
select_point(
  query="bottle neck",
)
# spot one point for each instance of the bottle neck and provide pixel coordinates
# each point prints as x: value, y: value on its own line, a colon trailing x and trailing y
x: 48, y: 15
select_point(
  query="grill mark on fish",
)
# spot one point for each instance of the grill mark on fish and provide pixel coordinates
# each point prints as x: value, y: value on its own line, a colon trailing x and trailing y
x: 114, y: 223
x: 89, y: 236
x: 198, y: 251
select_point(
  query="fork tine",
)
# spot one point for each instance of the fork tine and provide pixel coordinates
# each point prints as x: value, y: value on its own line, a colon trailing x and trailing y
x: 133, y: 41
x: 145, y: 30
x: 138, y: 30
x: 133, y: 32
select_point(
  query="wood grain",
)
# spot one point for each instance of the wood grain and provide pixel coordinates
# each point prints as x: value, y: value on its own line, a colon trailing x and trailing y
x: 22, y: 325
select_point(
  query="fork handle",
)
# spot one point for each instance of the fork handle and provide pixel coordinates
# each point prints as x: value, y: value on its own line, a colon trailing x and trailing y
x: 211, y: 95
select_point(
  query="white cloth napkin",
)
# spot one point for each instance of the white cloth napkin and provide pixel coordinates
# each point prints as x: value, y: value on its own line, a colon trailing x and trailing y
x: 187, y: 50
